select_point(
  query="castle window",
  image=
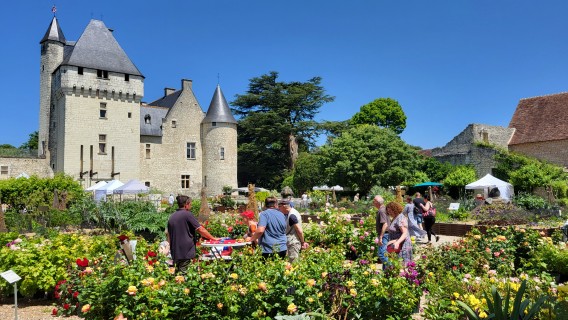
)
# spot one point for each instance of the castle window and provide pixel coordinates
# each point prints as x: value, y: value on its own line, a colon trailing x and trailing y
x: 213, y: 124
x: 147, y: 184
x: 190, y: 150
x: 102, y: 143
x: 80, y: 70
x: 147, y: 119
x: 102, y: 74
x: 126, y: 77
x: 4, y: 170
x: 148, y: 151
x: 174, y: 123
x: 222, y: 153
x: 103, y: 111
x: 130, y: 115
x: 185, y: 181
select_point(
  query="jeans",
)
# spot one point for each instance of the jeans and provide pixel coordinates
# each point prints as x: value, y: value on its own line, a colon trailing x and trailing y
x: 383, y: 250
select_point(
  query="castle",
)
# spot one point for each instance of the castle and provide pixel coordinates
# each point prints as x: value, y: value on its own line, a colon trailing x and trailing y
x: 94, y: 126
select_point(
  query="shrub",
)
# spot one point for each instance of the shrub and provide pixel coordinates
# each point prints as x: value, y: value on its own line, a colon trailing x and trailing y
x: 531, y: 202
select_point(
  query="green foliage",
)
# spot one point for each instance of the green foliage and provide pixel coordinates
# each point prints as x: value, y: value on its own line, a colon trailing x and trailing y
x: 387, y: 194
x: 559, y: 188
x: 460, y: 176
x: 308, y: 172
x: 499, y: 307
x: 32, y: 143
x: 526, y: 173
x: 382, y: 112
x: 367, y: 155
x: 261, y: 196
x: 460, y: 214
x: 530, y: 201
x: 34, y: 192
x: 274, y: 116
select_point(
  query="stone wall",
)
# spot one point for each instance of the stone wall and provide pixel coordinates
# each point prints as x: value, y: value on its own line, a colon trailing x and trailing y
x: 17, y: 166
x: 552, y: 151
x: 219, y: 170
x: 467, y: 147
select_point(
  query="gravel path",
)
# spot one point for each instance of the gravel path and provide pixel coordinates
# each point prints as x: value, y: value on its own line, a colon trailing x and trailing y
x: 29, y: 310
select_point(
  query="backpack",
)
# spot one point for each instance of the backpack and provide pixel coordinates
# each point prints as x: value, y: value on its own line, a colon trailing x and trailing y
x: 431, y: 212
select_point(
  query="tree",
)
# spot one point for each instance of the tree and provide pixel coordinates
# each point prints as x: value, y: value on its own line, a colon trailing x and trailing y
x: 276, y: 123
x: 308, y: 172
x: 367, y: 155
x: 7, y: 146
x: 32, y: 143
x: 382, y: 112
x: 459, y: 177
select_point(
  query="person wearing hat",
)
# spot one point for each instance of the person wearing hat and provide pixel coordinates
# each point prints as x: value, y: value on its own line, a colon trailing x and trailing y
x: 294, y: 233
x: 271, y: 230
x: 248, y: 217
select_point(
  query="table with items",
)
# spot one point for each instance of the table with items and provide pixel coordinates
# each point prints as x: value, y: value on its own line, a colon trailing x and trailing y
x: 222, y: 249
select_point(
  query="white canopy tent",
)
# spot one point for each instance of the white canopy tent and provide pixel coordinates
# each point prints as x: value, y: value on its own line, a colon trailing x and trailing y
x: 103, y: 191
x: 132, y: 187
x: 96, y: 186
x: 489, y: 182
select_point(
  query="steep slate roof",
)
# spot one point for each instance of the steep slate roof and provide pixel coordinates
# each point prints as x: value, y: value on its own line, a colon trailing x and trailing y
x: 538, y: 119
x: 53, y: 32
x: 219, y: 110
x: 156, y: 116
x: 98, y: 49
x: 166, y: 101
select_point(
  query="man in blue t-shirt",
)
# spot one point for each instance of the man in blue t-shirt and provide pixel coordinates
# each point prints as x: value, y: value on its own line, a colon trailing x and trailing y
x: 271, y: 230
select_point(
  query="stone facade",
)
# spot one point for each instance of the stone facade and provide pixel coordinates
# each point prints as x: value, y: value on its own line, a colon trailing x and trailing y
x: 94, y: 126
x: 555, y: 151
x: 13, y: 167
x: 467, y: 147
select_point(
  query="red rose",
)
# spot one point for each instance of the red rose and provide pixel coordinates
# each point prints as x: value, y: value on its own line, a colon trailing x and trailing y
x: 66, y: 306
x: 151, y: 254
x: 54, y: 312
x: 230, y: 229
x: 83, y: 263
x: 75, y: 294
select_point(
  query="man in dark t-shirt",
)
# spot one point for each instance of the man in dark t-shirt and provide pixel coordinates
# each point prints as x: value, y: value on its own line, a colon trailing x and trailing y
x: 418, y: 209
x: 180, y: 233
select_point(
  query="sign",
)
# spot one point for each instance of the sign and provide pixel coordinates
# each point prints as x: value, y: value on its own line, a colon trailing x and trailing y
x: 10, y: 276
x: 454, y: 206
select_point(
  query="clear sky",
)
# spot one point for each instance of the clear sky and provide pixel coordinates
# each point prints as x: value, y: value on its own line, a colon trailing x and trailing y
x: 448, y: 63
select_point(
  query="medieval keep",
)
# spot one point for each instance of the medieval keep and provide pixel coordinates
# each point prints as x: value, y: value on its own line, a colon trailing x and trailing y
x: 94, y: 126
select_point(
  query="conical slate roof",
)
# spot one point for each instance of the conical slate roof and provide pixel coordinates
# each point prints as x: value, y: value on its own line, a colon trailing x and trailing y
x: 98, y: 49
x: 53, y: 32
x: 219, y: 110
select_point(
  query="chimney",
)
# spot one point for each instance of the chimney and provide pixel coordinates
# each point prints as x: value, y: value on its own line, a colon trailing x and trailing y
x: 186, y: 84
x: 168, y: 91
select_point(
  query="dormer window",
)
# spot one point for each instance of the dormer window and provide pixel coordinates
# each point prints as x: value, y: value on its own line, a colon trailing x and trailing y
x: 126, y: 77
x: 80, y: 70
x: 102, y: 74
x: 213, y: 124
x: 147, y: 119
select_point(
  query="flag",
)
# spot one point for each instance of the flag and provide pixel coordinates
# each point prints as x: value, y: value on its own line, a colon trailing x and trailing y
x: 54, y: 9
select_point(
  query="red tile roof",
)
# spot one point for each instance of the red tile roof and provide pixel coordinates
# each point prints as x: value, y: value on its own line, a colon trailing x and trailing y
x: 538, y: 119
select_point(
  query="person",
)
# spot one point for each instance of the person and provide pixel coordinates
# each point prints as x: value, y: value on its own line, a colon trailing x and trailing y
x: 250, y: 221
x: 181, y: 234
x: 294, y: 232
x: 304, y: 200
x: 382, y: 223
x: 418, y: 202
x: 271, y: 230
x: 356, y: 197
x: 429, y: 220
x: 398, y: 231
x: 413, y: 228
x: 171, y: 199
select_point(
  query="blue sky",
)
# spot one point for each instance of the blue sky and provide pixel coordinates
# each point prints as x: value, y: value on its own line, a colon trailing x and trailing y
x: 448, y: 63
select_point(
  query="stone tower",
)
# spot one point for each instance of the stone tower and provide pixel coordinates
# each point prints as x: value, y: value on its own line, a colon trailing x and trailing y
x: 52, y: 47
x: 95, y: 93
x: 219, y: 135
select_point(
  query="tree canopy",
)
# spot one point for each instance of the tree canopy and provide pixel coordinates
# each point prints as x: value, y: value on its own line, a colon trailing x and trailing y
x: 32, y: 143
x: 382, y: 112
x: 276, y: 122
x: 367, y: 155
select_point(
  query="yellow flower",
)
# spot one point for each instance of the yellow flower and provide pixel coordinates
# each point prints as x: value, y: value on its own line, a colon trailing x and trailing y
x: 310, y: 299
x: 366, y: 273
x: 374, y: 282
x: 172, y: 270
x: 234, y: 276
x: 430, y: 274
x: 179, y: 279
x: 292, y: 308
x: 132, y: 290
x: 514, y: 286
x: 149, y: 268
x: 234, y: 288
x: 162, y: 283
x: 219, y: 306
x: 350, y: 284
x: 353, y: 292
x: 324, y: 274
x: 311, y: 282
x: 148, y: 282
x: 86, y: 308
x: 287, y: 272
x: 456, y: 295
x: 483, y: 315
x: 186, y: 291
x: 320, y: 294
x: 262, y: 286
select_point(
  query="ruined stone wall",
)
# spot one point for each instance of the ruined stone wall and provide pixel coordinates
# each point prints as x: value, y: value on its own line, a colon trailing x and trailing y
x: 12, y: 167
